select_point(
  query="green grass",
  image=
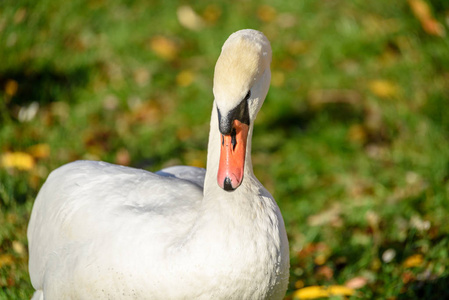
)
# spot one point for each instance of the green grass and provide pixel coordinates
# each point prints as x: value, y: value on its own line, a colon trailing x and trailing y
x: 352, y: 140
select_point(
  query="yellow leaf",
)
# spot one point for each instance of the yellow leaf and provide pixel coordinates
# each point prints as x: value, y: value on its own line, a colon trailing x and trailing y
x: 40, y: 150
x: 6, y: 260
x: 18, y: 160
x: 266, y: 13
x: 320, y: 259
x: 357, y: 134
x: 315, y: 292
x: 383, y: 88
x: 423, y: 13
x: 18, y: 247
x: 185, y: 78
x: 414, y: 260
x: 164, y: 47
x: 212, y: 13
x: 11, y: 87
x: 299, y: 284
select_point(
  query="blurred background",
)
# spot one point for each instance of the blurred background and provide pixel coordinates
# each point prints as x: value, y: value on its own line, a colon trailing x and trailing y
x: 352, y: 140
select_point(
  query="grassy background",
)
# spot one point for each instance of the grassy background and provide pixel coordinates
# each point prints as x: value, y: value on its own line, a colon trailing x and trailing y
x: 352, y: 140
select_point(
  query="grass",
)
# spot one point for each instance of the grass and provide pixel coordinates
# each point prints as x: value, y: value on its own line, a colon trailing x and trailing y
x: 352, y: 140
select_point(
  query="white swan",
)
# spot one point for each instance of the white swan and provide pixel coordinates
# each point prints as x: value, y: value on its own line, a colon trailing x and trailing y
x: 102, y: 231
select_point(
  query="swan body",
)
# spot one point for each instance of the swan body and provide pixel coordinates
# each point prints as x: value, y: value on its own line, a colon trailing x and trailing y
x: 102, y: 231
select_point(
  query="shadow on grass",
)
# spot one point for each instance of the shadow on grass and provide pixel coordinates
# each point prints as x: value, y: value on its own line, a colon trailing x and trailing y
x: 427, y: 289
x: 44, y: 85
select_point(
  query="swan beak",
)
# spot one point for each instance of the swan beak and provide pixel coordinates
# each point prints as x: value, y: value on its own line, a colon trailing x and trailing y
x: 232, y: 157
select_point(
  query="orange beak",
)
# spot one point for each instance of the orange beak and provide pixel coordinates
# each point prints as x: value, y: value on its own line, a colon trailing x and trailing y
x: 232, y: 157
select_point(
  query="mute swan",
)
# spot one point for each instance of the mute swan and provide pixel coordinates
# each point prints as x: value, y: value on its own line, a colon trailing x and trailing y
x: 102, y: 231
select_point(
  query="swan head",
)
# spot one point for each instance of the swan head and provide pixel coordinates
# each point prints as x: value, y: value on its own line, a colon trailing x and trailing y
x: 241, y: 81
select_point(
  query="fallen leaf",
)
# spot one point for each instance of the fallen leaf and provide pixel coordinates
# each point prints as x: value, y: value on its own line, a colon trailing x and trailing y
x: 329, y: 216
x: 356, y: 282
x: 18, y: 247
x: 418, y: 223
x: 357, y: 134
x: 383, y: 88
x: 325, y: 272
x: 299, y: 284
x: 388, y: 255
x: 164, y: 47
x: 414, y: 260
x: 11, y: 87
x: 189, y: 18
x: 423, y: 13
x: 212, y: 13
x: 316, y: 249
x: 122, y: 157
x: 315, y: 292
x: 148, y: 112
x: 39, y: 150
x: 185, y: 78
x: 17, y: 160
x: 20, y: 15
x: 297, y: 47
x: 266, y: 13
x: 320, y: 259
x: 6, y: 260
x: 408, y: 276
x: 28, y: 112
x: 319, y: 98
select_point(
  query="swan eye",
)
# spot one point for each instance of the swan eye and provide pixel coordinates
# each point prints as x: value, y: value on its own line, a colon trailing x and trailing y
x: 248, y: 95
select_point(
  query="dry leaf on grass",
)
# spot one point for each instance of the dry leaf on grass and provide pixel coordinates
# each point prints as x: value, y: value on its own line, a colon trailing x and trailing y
x: 423, y: 13
x: 11, y: 87
x: 324, y: 272
x: 19, y: 248
x: 356, y: 282
x: 414, y: 260
x: 383, y: 88
x: 212, y: 13
x: 6, y: 260
x: 189, y: 18
x: 266, y: 13
x: 315, y: 292
x: 329, y: 216
x: 185, y: 78
x: 40, y: 150
x: 17, y: 160
x: 164, y: 47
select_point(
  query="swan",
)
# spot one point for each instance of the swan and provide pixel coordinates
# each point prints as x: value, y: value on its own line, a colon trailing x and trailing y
x: 103, y: 231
